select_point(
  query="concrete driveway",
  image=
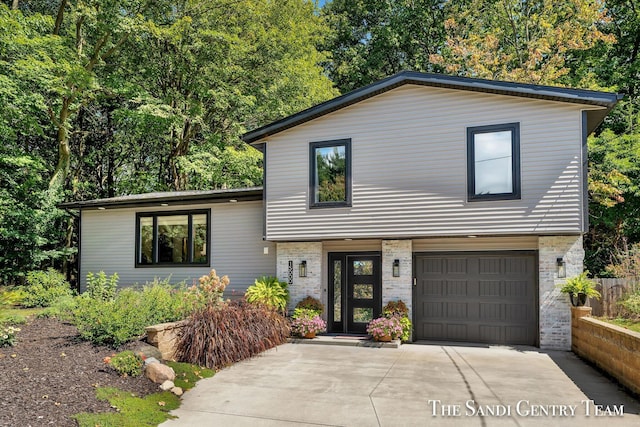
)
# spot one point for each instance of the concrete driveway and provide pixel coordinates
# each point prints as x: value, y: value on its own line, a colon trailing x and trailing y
x: 415, y: 385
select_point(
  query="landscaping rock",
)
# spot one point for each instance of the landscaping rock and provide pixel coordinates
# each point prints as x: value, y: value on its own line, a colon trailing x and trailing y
x: 151, y: 360
x: 159, y: 373
x: 167, y: 385
x: 177, y: 391
x: 147, y: 350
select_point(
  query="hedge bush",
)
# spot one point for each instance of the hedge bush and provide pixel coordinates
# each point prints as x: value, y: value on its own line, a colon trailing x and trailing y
x: 45, y: 287
x: 124, y: 318
x: 221, y: 334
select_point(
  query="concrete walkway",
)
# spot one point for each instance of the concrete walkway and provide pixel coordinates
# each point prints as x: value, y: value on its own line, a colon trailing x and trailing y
x: 415, y: 385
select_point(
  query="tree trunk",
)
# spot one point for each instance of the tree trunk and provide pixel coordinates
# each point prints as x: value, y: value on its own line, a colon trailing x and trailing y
x: 64, y: 151
x: 14, y: 4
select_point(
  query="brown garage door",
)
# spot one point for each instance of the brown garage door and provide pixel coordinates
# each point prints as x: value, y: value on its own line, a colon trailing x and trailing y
x: 486, y: 297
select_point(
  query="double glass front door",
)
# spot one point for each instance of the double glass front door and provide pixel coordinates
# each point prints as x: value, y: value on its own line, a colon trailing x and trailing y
x: 354, y: 291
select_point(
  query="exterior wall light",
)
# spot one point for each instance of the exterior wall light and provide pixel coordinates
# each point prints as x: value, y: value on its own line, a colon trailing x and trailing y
x: 396, y: 268
x: 562, y: 268
x: 302, y: 269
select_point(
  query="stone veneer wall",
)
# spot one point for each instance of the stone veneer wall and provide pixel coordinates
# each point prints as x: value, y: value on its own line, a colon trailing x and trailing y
x: 555, y: 315
x: 614, y: 349
x: 300, y: 287
x: 395, y: 288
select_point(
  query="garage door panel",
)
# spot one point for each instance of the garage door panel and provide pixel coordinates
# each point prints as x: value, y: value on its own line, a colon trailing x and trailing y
x: 481, y: 297
x: 457, y: 332
x: 490, y: 266
x: 457, y: 266
x: 490, y: 288
x: 456, y: 288
x: 432, y: 287
x: 490, y: 333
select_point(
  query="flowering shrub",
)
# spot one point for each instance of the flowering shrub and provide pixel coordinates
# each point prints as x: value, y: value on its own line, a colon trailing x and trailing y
x: 311, y: 303
x: 307, y: 321
x: 209, y: 289
x: 395, y: 308
x: 126, y: 363
x: 385, y: 326
x: 8, y: 336
x: 399, y: 309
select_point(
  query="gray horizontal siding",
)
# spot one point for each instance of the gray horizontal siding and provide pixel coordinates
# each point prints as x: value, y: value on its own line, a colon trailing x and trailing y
x: 108, y: 244
x: 510, y: 243
x: 409, y: 169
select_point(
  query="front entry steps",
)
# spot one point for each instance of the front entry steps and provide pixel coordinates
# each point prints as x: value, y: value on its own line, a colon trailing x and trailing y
x: 345, y: 340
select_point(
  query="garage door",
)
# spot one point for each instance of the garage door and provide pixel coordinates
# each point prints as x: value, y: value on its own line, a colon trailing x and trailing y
x: 477, y: 297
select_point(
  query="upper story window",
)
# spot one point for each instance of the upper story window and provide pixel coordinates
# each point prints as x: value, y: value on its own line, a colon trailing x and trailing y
x: 172, y: 238
x: 493, y: 162
x: 330, y: 173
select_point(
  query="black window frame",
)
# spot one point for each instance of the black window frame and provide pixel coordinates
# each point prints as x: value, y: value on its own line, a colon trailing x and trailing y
x: 312, y: 173
x: 515, y: 194
x: 155, y: 215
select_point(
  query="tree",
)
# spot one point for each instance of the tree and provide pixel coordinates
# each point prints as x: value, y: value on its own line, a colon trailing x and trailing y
x: 370, y: 39
x: 523, y: 41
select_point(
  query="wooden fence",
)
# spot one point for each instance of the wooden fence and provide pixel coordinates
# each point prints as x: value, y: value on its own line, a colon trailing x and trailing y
x: 612, y: 290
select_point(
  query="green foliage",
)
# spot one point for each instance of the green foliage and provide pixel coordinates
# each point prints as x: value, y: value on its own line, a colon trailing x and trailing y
x: 126, y: 363
x: 100, y: 287
x: 62, y: 308
x: 218, y: 335
x: 580, y: 284
x: 370, y: 40
x: 187, y: 374
x: 133, y: 411
x: 29, y: 220
x: 399, y: 310
x: 270, y: 292
x: 631, y: 304
x: 209, y: 290
x: 11, y: 297
x: 115, y: 322
x: 307, y: 321
x: 310, y: 303
x: 43, y: 288
x: 395, y: 308
x: 8, y: 335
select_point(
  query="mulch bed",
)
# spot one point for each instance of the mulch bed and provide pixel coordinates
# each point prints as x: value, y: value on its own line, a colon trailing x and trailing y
x: 50, y: 375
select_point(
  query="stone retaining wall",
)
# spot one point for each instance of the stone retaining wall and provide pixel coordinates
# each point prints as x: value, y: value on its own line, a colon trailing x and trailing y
x: 164, y: 336
x: 613, y: 349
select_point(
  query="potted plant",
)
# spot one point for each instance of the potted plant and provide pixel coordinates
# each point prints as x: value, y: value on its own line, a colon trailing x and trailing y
x: 385, y: 328
x: 579, y: 289
x: 307, y: 323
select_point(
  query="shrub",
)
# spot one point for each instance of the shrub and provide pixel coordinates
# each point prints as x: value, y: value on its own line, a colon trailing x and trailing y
x: 631, y: 305
x: 219, y: 335
x: 115, y: 322
x: 385, y: 326
x: 209, y: 289
x: 101, y: 287
x: 8, y: 336
x: 270, y: 292
x: 311, y: 303
x: 395, y: 308
x: 126, y: 363
x: 44, y: 287
x: 307, y: 321
x: 11, y: 297
x: 62, y: 308
x: 399, y: 309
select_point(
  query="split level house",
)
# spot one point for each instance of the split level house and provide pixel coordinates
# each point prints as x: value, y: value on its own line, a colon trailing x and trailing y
x: 464, y: 198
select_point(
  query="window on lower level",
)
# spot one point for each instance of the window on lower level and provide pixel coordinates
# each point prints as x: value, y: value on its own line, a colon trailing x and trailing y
x: 172, y: 238
x: 493, y: 162
x: 330, y: 173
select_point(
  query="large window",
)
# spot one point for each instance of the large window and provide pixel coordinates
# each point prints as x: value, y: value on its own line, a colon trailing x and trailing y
x: 493, y: 162
x: 172, y: 238
x: 330, y: 173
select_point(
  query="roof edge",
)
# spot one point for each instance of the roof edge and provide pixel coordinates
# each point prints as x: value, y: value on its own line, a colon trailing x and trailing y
x: 168, y: 199
x: 606, y: 100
